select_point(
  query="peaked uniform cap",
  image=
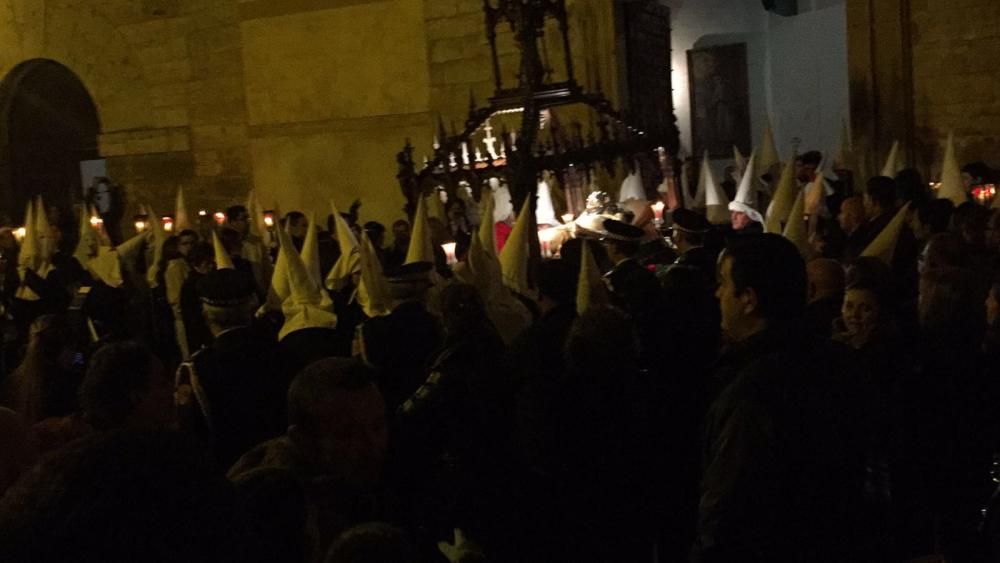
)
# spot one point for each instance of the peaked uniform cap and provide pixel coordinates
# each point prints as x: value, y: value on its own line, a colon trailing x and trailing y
x: 222, y: 259
x: 617, y: 230
x: 951, y: 175
x: 514, y: 256
x: 43, y: 230
x: 349, y: 261
x: 884, y: 245
x: 746, y: 199
x: 421, y: 247
x: 689, y: 221
x: 226, y: 288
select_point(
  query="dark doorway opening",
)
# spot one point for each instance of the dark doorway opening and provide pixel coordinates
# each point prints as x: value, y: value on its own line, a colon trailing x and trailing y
x: 48, y: 125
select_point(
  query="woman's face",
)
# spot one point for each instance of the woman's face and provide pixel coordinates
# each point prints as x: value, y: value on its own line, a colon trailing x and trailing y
x: 860, y: 311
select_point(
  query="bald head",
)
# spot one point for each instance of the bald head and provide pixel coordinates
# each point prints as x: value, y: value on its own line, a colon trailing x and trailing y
x: 852, y: 214
x: 826, y: 279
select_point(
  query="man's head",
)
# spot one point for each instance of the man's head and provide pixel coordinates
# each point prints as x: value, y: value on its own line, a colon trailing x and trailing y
x: 976, y: 173
x: 852, y: 214
x: 202, y: 258
x: 943, y: 250
x: 186, y: 240
x: 806, y: 165
x: 375, y: 232
x: 401, y: 234
x: 127, y: 387
x: 762, y: 280
x: 297, y: 224
x: 739, y: 220
x: 232, y: 241
x: 826, y: 279
x: 228, y: 299
x: 932, y: 217
x: 689, y: 230
x: 622, y: 241
x: 337, y: 419
x: 880, y: 196
x: 238, y: 219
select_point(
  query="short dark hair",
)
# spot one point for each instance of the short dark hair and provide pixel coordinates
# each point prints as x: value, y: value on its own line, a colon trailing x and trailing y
x: 293, y: 217
x: 979, y: 170
x: 882, y: 190
x: 231, y: 240
x: 374, y: 227
x: 811, y: 158
x: 200, y: 253
x: 910, y: 186
x: 319, y: 380
x: 774, y: 269
x: 234, y: 211
x: 116, y: 372
x: 936, y: 214
x: 188, y: 233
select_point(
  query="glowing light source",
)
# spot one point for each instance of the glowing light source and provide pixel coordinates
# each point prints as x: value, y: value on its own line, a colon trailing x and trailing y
x: 141, y: 223
x: 269, y: 219
x: 202, y: 213
x: 96, y: 222
x: 449, y: 252
x: 658, y: 211
x: 168, y: 223
x: 219, y: 217
x: 20, y: 233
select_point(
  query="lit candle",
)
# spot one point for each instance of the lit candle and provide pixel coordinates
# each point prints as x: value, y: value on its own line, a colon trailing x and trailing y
x: 19, y: 233
x: 567, y: 218
x: 96, y: 221
x: 168, y: 224
x: 202, y: 213
x: 220, y: 218
x: 449, y: 252
x: 658, y: 210
x: 269, y: 219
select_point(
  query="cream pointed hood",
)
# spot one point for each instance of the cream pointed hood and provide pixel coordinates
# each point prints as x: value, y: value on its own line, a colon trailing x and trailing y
x: 349, y: 261
x: 784, y: 199
x: 796, y: 230
x: 892, y: 165
x: 514, y: 256
x: 845, y: 154
x: 590, y: 288
x: 421, y: 247
x: 951, y: 175
x: 746, y: 195
x: 768, y: 151
x: 373, y: 290
x: 487, y: 233
x: 739, y: 159
x: 310, y: 252
x: 307, y: 305
x: 222, y: 259
x: 710, y: 195
x: 181, y: 221
x: 884, y: 245
x: 89, y: 241
x: 159, y: 237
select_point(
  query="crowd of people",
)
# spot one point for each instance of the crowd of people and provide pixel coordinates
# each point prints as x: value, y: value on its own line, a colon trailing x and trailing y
x: 684, y: 391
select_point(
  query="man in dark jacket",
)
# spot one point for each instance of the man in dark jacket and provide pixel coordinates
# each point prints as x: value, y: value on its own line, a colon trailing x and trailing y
x: 784, y: 462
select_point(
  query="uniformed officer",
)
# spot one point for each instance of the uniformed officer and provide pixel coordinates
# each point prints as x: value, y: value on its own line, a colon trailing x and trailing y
x: 690, y: 234
x: 233, y: 389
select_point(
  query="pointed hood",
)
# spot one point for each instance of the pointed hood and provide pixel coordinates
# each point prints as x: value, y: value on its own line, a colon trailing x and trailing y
x: 88, y: 238
x: 310, y: 252
x: 951, y: 175
x: 30, y: 256
x: 892, y: 161
x: 545, y: 211
x: 487, y: 234
x: 421, y: 248
x: 689, y: 196
x: 884, y: 245
x: 632, y: 187
x: 279, y: 277
x: 746, y: 195
x: 784, y: 198
x: 256, y: 212
x: 739, y: 160
x: 307, y: 305
x: 514, y: 256
x: 130, y: 250
x: 181, y: 221
x: 349, y: 261
x: 222, y: 259
x: 106, y: 266
x: 373, y: 290
x: 44, y: 231
x: 710, y: 195
x: 845, y: 155
x: 158, y: 238
x: 815, y: 192
x: 768, y: 151
x: 435, y: 208
x: 590, y: 288
x: 795, y: 229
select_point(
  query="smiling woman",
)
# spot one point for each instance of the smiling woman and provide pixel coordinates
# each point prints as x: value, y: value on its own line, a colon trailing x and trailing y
x: 48, y: 124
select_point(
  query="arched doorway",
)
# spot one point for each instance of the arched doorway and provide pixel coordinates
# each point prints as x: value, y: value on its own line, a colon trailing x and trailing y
x: 48, y: 125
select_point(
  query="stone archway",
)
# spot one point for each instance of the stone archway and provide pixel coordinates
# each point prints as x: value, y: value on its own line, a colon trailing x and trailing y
x: 48, y: 125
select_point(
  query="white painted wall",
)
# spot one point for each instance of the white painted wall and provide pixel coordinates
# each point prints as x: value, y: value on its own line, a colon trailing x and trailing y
x: 797, y: 66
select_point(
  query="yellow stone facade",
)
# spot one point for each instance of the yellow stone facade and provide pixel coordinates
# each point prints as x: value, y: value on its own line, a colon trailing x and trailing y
x: 303, y: 100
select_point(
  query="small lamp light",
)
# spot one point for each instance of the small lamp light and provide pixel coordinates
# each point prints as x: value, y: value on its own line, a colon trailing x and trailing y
x: 168, y: 223
x: 449, y: 252
x: 20, y: 233
x: 219, y: 217
x: 141, y: 223
x: 269, y: 219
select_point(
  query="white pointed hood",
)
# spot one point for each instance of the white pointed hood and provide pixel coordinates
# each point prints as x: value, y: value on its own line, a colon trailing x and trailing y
x: 222, y: 259
x: 349, y: 261
x: 373, y: 289
x: 768, y: 156
x: 796, y: 230
x: 746, y: 195
x: 514, y: 256
x: 307, y: 305
x: 632, y: 188
x: 181, y: 221
x: 892, y: 165
x: 86, y: 248
x: 421, y: 246
x: 545, y: 211
x: 951, y: 175
x: 784, y: 199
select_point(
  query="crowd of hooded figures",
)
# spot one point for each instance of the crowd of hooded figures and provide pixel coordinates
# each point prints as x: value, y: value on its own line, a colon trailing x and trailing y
x: 789, y: 366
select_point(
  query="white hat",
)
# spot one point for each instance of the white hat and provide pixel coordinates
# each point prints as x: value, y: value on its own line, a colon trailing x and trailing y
x: 951, y: 175
x: 350, y: 259
x: 746, y: 196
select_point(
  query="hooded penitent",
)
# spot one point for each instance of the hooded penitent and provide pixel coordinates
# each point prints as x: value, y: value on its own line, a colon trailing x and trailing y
x: 373, y: 290
x: 746, y: 195
x: 307, y: 305
x: 514, y: 257
x: 180, y: 214
x: 951, y: 175
x: 795, y: 229
x: 222, y: 259
x: 545, y: 211
x: 768, y: 156
x: 710, y: 195
x: 892, y: 166
x: 784, y: 199
x: 884, y: 245
x: 590, y: 288
x: 421, y: 247
x: 349, y: 261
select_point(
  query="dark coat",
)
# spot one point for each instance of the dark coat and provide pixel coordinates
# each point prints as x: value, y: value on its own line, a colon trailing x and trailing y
x: 401, y: 346
x: 635, y: 290
x: 784, y: 453
x: 820, y: 315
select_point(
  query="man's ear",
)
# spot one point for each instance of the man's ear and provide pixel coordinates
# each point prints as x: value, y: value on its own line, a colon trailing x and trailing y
x: 749, y: 300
